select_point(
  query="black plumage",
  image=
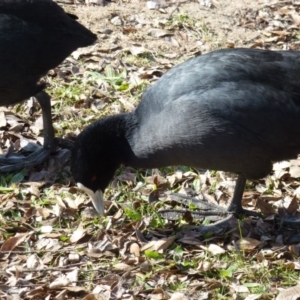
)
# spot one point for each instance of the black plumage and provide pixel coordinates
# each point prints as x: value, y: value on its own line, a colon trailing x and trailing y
x: 235, y: 110
x: 35, y: 36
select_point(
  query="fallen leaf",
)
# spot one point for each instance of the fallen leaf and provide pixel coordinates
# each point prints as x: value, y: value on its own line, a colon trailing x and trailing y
x: 292, y: 293
x: 135, y: 249
x: 247, y: 243
x: 78, y: 234
x: 11, y: 243
x: 214, y: 249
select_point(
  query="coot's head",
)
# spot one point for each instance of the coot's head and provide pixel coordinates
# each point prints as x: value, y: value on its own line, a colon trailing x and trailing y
x: 96, y: 155
x: 92, y: 174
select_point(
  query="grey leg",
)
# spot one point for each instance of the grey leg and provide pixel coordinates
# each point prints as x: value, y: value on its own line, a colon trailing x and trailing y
x: 39, y: 156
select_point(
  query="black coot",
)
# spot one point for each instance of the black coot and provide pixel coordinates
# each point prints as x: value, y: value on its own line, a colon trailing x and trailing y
x: 35, y: 36
x: 235, y: 110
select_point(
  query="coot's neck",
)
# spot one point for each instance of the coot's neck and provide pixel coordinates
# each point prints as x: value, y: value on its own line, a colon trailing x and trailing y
x: 128, y: 142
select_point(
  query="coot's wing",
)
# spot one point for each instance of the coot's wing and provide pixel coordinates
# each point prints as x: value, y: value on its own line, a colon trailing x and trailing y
x: 18, y: 48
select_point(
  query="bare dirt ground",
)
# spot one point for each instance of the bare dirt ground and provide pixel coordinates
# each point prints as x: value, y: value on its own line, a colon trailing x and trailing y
x: 54, y: 245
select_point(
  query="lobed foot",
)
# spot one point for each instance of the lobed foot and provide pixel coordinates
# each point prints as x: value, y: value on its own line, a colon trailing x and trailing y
x: 16, y: 163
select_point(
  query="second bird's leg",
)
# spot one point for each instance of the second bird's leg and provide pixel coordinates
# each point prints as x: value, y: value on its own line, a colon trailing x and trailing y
x: 45, y: 102
x: 39, y: 156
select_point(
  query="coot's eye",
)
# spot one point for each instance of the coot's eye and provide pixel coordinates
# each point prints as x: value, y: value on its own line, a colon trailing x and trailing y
x: 94, y: 178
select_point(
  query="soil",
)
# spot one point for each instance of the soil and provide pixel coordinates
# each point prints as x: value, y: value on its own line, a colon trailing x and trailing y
x: 218, y: 25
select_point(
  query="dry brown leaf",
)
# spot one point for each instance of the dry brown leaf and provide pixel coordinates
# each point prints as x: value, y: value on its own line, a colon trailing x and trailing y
x: 122, y: 267
x: 265, y: 207
x: 253, y: 297
x: 293, y: 206
x: 135, y: 249
x: 291, y: 293
x: 161, y: 244
x: 74, y: 203
x: 158, y: 33
x: 83, y: 51
x: 137, y: 50
x: 11, y: 243
x: 34, y: 262
x: 59, y: 283
x: 46, y: 229
x: 281, y: 165
x: 247, y: 243
x: 281, y: 32
x: 127, y: 105
x: 179, y: 296
x: 239, y: 288
x: 295, y: 16
x: 78, y: 234
x: 295, y: 249
x: 94, y: 297
x: 295, y: 171
x: 214, y: 249
x: 2, y: 119
x: 204, y: 266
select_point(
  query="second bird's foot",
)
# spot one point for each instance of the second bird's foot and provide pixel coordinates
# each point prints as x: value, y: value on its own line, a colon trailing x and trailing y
x: 39, y: 154
x: 14, y: 162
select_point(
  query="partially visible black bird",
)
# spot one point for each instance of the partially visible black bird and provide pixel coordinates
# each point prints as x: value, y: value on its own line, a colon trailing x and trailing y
x: 236, y: 110
x: 35, y: 36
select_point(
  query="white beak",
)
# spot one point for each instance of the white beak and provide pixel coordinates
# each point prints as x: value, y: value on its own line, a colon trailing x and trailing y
x: 97, y: 198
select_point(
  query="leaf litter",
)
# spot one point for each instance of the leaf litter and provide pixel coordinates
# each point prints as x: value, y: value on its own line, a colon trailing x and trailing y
x: 52, y: 243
